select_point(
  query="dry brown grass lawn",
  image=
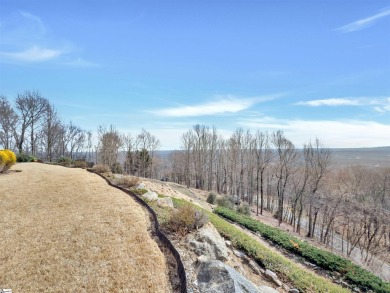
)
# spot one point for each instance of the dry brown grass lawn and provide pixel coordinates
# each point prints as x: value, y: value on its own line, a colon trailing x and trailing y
x: 66, y: 230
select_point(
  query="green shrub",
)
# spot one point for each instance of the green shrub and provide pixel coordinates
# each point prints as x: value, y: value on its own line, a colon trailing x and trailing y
x: 225, y: 202
x: 65, y: 161
x: 90, y: 164
x: 25, y: 158
x: 117, y: 168
x: 329, y: 261
x: 212, y: 198
x: 185, y: 219
x: 244, y: 209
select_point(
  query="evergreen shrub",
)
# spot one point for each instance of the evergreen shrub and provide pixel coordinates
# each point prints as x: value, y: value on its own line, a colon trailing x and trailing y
x: 212, y: 198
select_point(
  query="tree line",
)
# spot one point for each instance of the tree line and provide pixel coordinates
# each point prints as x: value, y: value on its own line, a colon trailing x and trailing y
x: 32, y: 126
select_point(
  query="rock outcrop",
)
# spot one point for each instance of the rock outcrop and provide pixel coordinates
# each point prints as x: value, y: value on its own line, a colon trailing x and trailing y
x: 150, y: 195
x: 207, y: 242
x: 165, y: 202
x: 216, y: 277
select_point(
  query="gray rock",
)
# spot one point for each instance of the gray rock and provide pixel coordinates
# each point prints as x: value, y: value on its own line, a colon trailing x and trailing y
x: 266, y: 289
x: 207, y: 241
x: 293, y: 290
x: 228, y: 243
x: 203, y: 258
x: 273, y: 277
x: 165, y: 202
x: 239, y: 253
x: 150, y: 195
x: 140, y: 186
x: 255, y: 267
x: 216, y: 277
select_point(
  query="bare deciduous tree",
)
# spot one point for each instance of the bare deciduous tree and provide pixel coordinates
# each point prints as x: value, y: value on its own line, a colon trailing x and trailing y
x: 8, y: 120
x: 263, y: 159
x: 110, y: 141
x: 286, y: 156
x: 31, y: 107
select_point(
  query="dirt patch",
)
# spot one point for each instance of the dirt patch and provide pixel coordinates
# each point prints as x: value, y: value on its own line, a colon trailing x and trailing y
x: 67, y: 230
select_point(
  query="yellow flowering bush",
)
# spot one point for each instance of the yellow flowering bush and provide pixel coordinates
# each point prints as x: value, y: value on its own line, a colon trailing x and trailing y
x: 7, y: 159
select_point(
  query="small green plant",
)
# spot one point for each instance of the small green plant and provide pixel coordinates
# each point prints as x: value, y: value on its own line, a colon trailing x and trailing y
x: 139, y: 191
x: 225, y: 202
x: 185, y: 219
x: 212, y: 198
x: 65, y: 161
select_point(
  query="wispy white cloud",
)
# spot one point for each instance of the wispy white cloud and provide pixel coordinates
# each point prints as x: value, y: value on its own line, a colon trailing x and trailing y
x: 221, y: 105
x: 365, y: 22
x: 346, y: 133
x: 33, y: 54
x: 332, y: 102
x: 37, y: 20
x: 379, y: 104
x: 25, y: 38
x: 384, y: 107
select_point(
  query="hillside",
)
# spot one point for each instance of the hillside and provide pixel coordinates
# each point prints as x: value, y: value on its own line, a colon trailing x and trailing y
x: 67, y: 230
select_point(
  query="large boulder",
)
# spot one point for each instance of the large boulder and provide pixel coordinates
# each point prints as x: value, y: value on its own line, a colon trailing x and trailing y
x: 150, y: 195
x: 207, y: 241
x: 216, y: 277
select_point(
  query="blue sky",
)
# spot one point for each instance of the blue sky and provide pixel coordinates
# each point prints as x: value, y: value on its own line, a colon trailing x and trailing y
x: 310, y: 68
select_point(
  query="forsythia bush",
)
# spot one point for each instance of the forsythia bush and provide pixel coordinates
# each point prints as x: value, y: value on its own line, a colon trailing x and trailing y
x: 7, y: 159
